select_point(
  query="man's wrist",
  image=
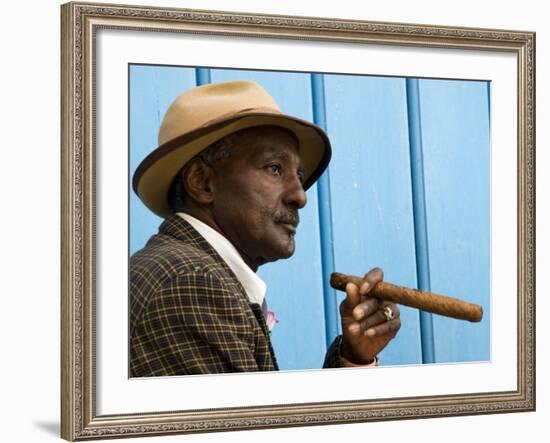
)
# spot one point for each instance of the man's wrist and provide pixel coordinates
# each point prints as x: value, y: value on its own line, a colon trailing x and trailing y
x: 345, y: 363
x: 348, y: 361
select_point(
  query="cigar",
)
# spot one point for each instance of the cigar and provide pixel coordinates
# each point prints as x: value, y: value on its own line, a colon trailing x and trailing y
x: 424, y: 300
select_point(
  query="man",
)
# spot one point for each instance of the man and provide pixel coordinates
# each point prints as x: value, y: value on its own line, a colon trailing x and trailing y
x: 229, y: 176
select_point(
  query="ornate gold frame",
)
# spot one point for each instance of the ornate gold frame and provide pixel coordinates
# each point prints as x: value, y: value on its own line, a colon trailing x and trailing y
x: 79, y: 24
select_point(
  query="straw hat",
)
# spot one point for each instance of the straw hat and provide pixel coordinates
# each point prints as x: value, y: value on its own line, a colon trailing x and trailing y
x: 204, y: 115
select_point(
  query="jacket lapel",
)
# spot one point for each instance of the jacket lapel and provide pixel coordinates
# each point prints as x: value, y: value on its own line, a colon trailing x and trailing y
x: 179, y: 228
x: 256, y: 308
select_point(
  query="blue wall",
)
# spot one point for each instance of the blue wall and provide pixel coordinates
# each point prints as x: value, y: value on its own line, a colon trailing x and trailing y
x: 408, y: 190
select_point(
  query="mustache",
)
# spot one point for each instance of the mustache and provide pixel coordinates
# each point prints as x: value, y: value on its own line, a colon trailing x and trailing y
x: 290, y: 217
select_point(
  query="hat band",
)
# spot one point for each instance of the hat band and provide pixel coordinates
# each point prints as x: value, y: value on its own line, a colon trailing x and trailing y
x: 187, y: 137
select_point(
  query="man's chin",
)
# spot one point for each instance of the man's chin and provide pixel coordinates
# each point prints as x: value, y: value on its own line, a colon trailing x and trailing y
x: 288, y: 251
x: 282, y: 253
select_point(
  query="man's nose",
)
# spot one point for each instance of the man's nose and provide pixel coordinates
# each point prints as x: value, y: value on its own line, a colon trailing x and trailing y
x: 296, y: 195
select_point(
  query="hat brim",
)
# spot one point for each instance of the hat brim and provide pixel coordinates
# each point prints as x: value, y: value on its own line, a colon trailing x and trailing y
x: 155, y: 174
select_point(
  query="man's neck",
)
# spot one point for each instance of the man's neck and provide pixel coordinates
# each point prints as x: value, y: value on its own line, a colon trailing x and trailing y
x: 207, y: 218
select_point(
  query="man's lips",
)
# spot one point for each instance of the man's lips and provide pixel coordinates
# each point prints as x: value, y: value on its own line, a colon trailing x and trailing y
x: 289, y: 221
x: 290, y: 227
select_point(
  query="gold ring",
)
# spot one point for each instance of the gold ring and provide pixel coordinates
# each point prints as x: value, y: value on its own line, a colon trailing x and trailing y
x: 388, y: 312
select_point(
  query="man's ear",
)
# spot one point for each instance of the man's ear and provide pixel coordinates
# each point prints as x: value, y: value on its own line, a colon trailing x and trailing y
x: 197, y: 180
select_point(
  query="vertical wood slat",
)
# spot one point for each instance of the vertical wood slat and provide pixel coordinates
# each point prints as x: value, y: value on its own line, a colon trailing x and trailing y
x: 294, y: 285
x: 151, y: 90
x: 419, y: 210
x: 371, y: 197
x: 456, y: 147
x: 203, y: 76
x: 332, y: 323
x: 489, y: 103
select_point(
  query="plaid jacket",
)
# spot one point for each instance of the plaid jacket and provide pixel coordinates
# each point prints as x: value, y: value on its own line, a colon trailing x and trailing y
x: 189, y: 314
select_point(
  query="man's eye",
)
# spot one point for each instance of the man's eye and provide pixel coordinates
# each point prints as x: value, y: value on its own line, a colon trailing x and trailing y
x: 274, y: 169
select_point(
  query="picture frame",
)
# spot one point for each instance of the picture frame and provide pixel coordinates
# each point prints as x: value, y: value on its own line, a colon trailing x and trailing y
x: 81, y: 240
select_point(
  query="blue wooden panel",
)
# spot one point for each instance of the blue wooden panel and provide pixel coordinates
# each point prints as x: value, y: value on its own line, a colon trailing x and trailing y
x: 419, y: 214
x: 371, y: 190
x: 203, y: 76
x: 295, y: 289
x: 152, y: 89
x: 371, y: 198
x: 455, y: 133
x: 330, y: 299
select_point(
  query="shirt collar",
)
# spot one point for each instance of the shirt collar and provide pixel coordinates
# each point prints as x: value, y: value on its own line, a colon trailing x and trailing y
x: 253, y: 285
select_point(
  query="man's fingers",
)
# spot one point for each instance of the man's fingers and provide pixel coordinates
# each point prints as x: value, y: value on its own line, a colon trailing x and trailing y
x: 353, y: 298
x: 388, y: 328
x: 377, y: 318
x: 370, y: 279
x: 356, y: 304
x: 373, y: 320
x: 366, y: 308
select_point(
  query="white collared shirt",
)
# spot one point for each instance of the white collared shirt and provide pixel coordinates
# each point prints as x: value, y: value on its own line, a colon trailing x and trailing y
x: 254, y: 286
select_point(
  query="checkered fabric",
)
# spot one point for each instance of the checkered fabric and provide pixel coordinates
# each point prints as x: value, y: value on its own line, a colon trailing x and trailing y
x: 332, y: 357
x: 189, y: 314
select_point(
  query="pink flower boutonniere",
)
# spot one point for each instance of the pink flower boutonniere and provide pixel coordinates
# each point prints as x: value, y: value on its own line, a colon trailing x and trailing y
x: 271, y: 320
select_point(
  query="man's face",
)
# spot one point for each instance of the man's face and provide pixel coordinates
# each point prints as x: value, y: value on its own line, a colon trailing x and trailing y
x: 257, y: 194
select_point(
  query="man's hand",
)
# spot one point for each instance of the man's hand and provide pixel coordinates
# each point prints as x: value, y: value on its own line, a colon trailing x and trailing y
x: 366, y: 329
